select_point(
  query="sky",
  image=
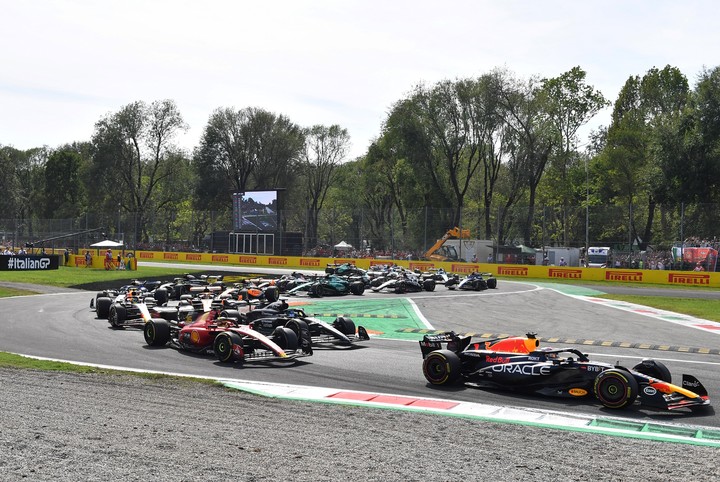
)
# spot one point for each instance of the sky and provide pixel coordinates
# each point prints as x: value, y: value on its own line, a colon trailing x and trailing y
x: 66, y: 64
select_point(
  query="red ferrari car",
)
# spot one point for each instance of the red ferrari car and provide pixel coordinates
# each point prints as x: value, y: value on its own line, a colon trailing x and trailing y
x: 228, y: 341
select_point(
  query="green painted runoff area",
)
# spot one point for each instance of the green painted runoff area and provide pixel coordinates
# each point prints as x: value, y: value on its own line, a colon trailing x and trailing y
x: 384, y: 318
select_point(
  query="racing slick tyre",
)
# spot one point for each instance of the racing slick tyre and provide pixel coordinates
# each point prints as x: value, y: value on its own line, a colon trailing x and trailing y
x: 102, y: 307
x: 272, y: 293
x: 492, y: 283
x: 161, y: 296
x: 232, y: 314
x: 156, y: 332
x: 616, y: 388
x: 285, y: 338
x: 117, y: 315
x: 442, y: 367
x: 357, y: 287
x: 344, y: 325
x: 223, y: 347
x: 655, y: 369
x: 429, y: 284
x: 298, y: 327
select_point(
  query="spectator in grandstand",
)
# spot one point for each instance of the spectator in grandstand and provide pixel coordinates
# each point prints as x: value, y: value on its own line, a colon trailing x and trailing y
x: 699, y: 267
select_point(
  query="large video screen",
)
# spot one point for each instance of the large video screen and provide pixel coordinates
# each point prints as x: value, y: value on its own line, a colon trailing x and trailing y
x: 255, y: 211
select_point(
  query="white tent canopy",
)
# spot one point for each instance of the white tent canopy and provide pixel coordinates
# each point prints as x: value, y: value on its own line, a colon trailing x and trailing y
x: 107, y: 244
x: 343, y: 246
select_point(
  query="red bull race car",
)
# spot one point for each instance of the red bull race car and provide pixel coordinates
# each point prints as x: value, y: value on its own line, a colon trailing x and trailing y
x: 520, y: 364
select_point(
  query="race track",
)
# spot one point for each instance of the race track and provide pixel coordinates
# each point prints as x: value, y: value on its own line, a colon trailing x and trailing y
x: 62, y: 326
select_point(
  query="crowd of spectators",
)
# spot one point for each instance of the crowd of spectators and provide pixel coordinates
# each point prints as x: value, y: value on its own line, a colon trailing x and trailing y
x: 331, y: 252
x: 696, y: 242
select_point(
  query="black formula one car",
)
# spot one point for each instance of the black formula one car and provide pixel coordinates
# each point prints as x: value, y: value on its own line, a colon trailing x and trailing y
x: 473, y: 282
x: 518, y: 363
x: 266, y: 319
x: 405, y: 282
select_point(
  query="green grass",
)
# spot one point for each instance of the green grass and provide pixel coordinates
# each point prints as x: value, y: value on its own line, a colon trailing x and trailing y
x: 697, y: 307
x: 10, y: 360
x: 71, y: 276
x: 5, y: 292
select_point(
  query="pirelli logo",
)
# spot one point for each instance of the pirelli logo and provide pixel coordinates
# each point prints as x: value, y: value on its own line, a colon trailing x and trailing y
x: 171, y: 256
x: 623, y: 276
x: 465, y: 268
x: 309, y: 262
x: 565, y: 273
x: 344, y: 261
x: 379, y: 263
x: 422, y: 266
x: 220, y: 258
x: 512, y: 270
x: 193, y: 257
x: 146, y: 255
x: 247, y: 259
x: 277, y: 261
x: 689, y: 279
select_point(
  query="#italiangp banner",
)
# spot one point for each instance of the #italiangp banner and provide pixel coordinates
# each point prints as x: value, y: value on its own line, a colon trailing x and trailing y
x: 27, y: 262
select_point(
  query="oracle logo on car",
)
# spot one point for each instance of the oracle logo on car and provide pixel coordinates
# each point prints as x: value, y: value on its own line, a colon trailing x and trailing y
x: 623, y: 275
x: 277, y: 261
x: 689, y: 279
x: 422, y: 266
x: 247, y: 259
x: 464, y: 268
x: 193, y: 257
x: 309, y: 262
x: 512, y: 271
x: 565, y: 273
x: 145, y: 255
x: 170, y: 256
x: 220, y: 258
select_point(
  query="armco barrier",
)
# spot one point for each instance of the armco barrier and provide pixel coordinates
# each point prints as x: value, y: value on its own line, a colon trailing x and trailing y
x: 508, y: 271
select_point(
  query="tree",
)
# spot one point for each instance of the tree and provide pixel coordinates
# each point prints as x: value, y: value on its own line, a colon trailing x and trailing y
x: 643, y: 142
x: 325, y: 148
x: 246, y: 149
x: 134, y: 149
x: 532, y: 140
x: 64, y: 191
x: 570, y: 104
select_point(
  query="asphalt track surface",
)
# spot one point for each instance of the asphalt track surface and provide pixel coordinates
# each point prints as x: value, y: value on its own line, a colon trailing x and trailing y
x: 61, y: 326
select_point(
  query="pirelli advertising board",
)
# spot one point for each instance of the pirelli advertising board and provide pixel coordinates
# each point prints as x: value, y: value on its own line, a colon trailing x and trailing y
x: 509, y: 271
x: 28, y: 262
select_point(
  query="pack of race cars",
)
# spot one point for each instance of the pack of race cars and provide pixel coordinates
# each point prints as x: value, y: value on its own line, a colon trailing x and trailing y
x: 249, y: 322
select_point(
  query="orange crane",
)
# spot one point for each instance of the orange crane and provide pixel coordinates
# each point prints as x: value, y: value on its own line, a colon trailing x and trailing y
x: 438, y: 252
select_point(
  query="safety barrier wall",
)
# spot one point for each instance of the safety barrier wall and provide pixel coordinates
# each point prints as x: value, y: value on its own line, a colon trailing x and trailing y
x: 508, y: 271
